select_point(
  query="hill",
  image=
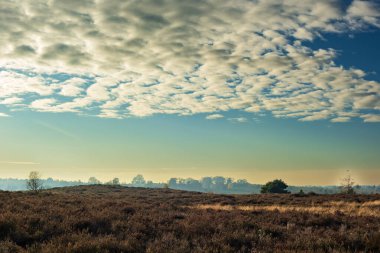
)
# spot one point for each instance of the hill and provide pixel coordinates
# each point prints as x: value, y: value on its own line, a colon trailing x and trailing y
x: 102, y: 218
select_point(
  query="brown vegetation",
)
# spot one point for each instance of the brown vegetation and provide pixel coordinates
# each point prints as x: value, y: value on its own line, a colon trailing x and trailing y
x: 117, y: 219
x: 366, y: 209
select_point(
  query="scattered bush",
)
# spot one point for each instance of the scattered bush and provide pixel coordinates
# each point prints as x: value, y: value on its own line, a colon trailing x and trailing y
x: 275, y: 186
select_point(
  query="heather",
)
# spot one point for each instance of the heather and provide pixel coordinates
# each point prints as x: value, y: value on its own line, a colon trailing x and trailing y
x: 120, y: 219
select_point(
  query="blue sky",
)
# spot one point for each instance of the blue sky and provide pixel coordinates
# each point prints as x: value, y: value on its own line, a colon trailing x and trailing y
x: 191, y: 89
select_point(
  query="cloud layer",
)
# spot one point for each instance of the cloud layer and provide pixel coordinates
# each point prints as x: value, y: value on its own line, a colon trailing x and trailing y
x: 137, y: 58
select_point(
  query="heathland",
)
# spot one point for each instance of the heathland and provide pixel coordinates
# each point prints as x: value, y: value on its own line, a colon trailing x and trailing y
x: 104, y: 218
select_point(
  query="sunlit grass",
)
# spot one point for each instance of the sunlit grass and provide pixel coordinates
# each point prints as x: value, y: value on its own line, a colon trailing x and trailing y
x: 369, y: 208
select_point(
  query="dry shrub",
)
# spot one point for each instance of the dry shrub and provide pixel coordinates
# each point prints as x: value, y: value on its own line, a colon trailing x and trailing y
x: 117, y: 219
x: 369, y: 208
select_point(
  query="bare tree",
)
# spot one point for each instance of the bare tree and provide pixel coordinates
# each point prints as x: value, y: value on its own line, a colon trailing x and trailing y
x: 116, y: 181
x: 34, y: 182
x: 347, y: 185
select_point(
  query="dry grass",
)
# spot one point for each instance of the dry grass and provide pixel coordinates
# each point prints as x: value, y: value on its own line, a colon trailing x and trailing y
x: 101, y: 219
x: 366, y: 209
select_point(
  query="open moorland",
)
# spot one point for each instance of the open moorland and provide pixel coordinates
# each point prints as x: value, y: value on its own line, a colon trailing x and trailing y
x: 119, y: 219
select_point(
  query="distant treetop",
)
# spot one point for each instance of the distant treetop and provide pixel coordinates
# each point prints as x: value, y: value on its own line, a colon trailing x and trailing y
x: 275, y: 186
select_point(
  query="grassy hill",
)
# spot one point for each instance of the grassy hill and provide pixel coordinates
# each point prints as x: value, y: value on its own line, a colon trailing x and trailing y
x: 119, y: 219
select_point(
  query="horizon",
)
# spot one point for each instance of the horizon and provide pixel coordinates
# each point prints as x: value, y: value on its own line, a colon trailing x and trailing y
x: 190, y: 89
x: 128, y: 180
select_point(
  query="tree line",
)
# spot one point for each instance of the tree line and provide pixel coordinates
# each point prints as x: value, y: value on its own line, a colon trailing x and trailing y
x: 216, y: 184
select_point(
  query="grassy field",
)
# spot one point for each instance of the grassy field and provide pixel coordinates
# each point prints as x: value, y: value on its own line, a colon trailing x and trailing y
x: 117, y: 219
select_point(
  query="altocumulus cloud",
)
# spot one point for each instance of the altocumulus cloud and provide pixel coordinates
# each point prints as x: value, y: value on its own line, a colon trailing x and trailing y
x: 119, y: 59
x: 215, y: 116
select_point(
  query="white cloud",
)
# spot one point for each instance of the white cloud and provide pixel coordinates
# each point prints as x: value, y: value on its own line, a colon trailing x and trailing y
x: 72, y: 87
x: 214, y: 116
x: 11, y: 101
x: 17, y: 84
x: 112, y: 114
x: 138, y: 58
x: 368, y: 11
x: 3, y: 114
x: 317, y: 116
x: 371, y: 118
x: 341, y: 119
x: 239, y: 120
x: 44, y: 104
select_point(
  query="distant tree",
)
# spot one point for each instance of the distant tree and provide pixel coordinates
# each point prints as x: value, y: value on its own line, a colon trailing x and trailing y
x: 138, y: 180
x: 240, y: 186
x: 275, y: 186
x: 34, y: 183
x: 93, y: 180
x: 149, y: 184
x: 219, y: 180
x: 192, y: 184
x: 181, y: 181
x: 219, y: 184
x: 347, y: 185
x: 116, y: 181
x: 206, y: 183
x: 242, y: 181
x: 172, y: 183
x: 229, y: 180
x: 48, y: 183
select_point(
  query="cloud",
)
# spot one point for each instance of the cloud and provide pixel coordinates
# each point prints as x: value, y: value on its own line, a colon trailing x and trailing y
x: 11, y: 101
x: 317, y: 116
x: 19, y: 163
x: 113, y: 114
x: 239, y: 120
x: 371, y: 118
x: 368, y: 11
x: 17, y: 84
x: 116, y: 59
x: 3, y: 114
x: 44, y: 104
x: 214, y: 116
x: 341, y: 119
x: 72, y: 87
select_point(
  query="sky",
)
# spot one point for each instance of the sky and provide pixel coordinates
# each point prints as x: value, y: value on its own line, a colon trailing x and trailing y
x: 243, y: 89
